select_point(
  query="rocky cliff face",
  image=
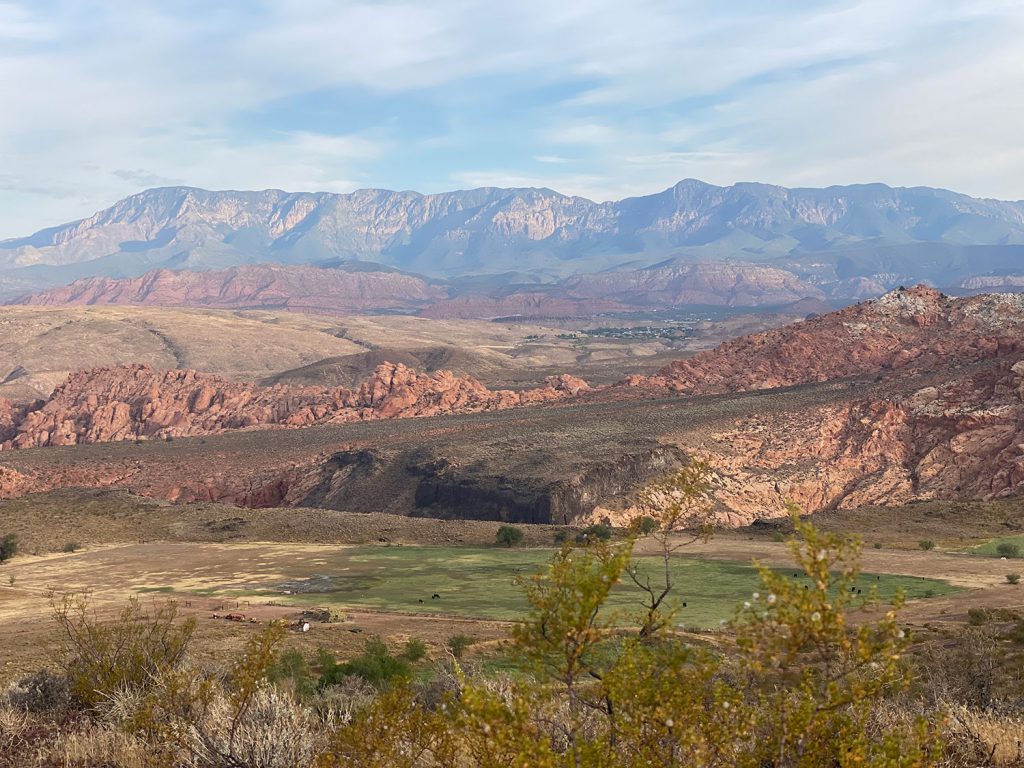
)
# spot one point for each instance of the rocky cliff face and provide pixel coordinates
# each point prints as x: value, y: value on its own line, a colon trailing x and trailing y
x: 140, y: 403
x: 538, y: 230
x: 963, y: 439
x: 302, y: 289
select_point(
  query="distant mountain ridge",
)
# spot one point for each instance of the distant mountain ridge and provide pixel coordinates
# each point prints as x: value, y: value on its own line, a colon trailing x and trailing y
x: 833, y: 238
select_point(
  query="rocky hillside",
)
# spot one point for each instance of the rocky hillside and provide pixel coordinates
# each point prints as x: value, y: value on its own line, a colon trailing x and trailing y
x: 962, y: 438
x: 915, y: 395
x: 139, y: 403
x: 944, y: 419
x: 828, y: 237
x: 910, y: 330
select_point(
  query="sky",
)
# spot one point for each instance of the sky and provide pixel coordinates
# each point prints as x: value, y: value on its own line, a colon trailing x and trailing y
x: 600, y: 98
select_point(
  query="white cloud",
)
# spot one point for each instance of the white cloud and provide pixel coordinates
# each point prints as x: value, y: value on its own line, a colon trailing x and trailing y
x: 101, y: 97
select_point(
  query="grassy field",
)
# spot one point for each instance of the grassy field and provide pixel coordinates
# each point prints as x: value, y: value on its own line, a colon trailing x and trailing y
x: 481, y: 583
x: 989, y: 548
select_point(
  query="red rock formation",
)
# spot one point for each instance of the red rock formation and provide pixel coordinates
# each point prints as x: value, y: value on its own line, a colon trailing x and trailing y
x: 297, y: 288
x: 910, y: 329
x: 961, y: 439
x: 137, y: 402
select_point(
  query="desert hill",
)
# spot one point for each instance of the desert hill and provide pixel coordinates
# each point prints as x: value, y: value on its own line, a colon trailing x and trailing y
x: 915, y: 395
x: 917, y: 328
x: 341, y: 290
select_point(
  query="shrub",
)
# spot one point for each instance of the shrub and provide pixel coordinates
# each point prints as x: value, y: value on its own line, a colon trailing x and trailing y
x: 509, y: 535
x: 778, y: 536
x: 458, y: 644
x: 8, y: 547
x: 878, y: 545
x: 926, y: 544
x: 272, y: 730
x: 1008, y: 549
x: 415, y: 649
x: 375, y: 665
x: 561, y: 537
x: 596, y: 532
x: 291, y: 668
x: 129, y: 653
x: 977, y: 616
x: 1012, y: 578
x: 71, y: 546
x: 42, y: 691
x: 645, y: 525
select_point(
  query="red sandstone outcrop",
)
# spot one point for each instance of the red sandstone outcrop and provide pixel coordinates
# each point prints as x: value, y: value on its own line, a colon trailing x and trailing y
x: 137, y: 402
x: 910, y: 329
x: 961, y: 439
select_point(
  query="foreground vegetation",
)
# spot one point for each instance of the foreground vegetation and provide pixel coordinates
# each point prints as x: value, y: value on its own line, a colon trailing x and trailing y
x: 810, y: 673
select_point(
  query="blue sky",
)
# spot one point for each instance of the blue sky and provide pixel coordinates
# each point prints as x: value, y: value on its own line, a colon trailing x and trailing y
x: 600, y: 98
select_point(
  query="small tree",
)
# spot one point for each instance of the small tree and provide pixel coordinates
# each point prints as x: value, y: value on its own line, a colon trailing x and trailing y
x: 676, y: 513
x: 1008, y: 549
x: 926, y: 544
x: 8, y: 547
x: 1012, y: 578
x: 509, y: 535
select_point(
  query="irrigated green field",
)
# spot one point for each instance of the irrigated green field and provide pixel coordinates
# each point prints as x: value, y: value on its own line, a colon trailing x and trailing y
x: 481, y: 583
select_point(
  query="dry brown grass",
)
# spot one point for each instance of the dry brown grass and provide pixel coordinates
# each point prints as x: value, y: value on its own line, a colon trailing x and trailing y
x: 978, y: 738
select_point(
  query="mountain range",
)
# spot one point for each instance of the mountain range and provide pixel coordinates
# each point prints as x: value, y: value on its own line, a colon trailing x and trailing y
x: 840, y: 242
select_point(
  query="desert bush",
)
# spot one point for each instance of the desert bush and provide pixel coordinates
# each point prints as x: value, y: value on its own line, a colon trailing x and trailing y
x: 645, y: 525
x: 1012, y: 578
x: 926, y: 544
x: 458, y: 644
x: 509, y: 535
x: 130, y: 652
x: 375, y: 665
x: 272, y: 730
x: 561, y: 537
x: 592, y: 533
x: 342, y: 701
x: 1008, y: 549
x: 290, y: 670
x: 71, y: 546
x: 42, y: 691
x: 8, y: 547
x: 415, y: 650
x: 977, y: 616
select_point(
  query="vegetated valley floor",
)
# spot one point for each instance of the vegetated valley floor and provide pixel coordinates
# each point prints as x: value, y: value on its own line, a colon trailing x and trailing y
x: 372, y: 570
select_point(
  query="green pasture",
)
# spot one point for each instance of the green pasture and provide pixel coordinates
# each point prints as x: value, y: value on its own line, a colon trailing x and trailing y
x: 481, y: 583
